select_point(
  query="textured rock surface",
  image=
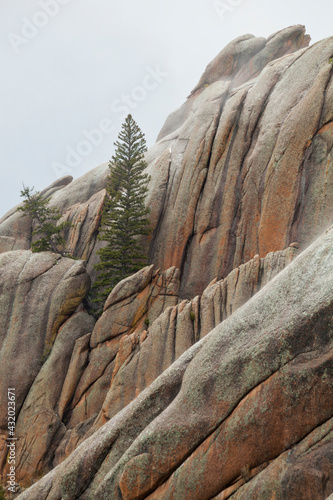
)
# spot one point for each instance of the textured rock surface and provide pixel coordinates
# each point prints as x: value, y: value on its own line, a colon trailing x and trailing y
x: 80, y: 201
x: 93, y: 372
x: 191, y: 384
x: 307, y: 468
x: 85, y: 219
x: 38, y: 293
x: 39, y: 426
x: 143, y: 357
x: 147, y: 293
x: 128, y: 358
x: 242, y: 168
x: 246, y: 168
x: 195, y: 430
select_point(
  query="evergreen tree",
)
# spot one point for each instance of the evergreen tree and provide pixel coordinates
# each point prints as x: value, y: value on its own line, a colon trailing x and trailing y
x: 45, y: 222
x: 124, y: 217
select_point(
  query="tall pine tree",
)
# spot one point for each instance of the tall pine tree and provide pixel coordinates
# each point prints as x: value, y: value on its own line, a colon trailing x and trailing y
x: 125, y: 217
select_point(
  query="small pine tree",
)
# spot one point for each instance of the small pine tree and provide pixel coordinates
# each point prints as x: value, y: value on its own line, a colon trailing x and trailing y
x: 124, y: 216
x: 45, y: 221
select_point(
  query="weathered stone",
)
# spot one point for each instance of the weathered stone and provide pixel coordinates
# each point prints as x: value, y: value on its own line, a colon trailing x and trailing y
x: 251, y: 364
x: 144, y: 295
x: 85, y: 219
x: 83, y: 197
x: 248, y: 169
x: 213, y: 378
x: 76, y: 367
x: 221, y: 298
x: 56, y: 186
x: 38, y: 293
x: 246, y: 56
x: 41, y: 416
x: 8, y: 243
x: 126, y: 308
x: 141, y: 359
x: 306, y: 471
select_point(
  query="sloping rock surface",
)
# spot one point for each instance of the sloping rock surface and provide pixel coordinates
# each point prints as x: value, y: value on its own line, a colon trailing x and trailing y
x: 142, y: 357
x: 194, y: 432
x: 91, y: 372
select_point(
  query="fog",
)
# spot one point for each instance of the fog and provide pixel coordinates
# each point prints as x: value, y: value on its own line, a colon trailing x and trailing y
x: 71, y: 71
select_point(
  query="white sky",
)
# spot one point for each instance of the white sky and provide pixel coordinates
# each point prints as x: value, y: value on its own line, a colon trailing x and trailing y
x: 74, y: 72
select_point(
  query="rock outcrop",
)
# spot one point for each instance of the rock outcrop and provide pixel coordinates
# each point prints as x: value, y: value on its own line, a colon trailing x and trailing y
x: 79, y: 201
x: 38, y: 295
x: 209, y: 373
x: 246, y: 168
x: 145, y: 327
x: 242, y: 168
x: 143, y: 356
x: 194, y: 432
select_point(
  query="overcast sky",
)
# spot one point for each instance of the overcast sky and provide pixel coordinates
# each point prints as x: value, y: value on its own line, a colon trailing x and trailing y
x: 71, y: 70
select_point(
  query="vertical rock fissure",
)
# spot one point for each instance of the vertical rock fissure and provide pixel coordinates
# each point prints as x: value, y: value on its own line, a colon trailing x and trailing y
x: 211, y: 146
x: 157, y: 230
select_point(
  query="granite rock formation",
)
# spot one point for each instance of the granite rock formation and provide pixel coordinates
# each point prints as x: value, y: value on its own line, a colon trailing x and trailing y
x: 222, y: 419
x: 209, y: 373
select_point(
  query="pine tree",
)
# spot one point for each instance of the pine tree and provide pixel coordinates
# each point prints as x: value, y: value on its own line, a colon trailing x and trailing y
x: 124, y: 217
x: 45, y: 222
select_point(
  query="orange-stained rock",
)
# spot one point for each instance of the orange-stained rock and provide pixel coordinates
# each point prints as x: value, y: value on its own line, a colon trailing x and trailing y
x: 126, y: 307
x: 307, y: 470
x: 242, y: 168
x: 139, y: 363
x: 39, y: 425
x: 248, y: 171
x: 209, y: 373
x: 85, y: 219
x: 270, y: 419
x: 143, y: 296
x: 257, y: 385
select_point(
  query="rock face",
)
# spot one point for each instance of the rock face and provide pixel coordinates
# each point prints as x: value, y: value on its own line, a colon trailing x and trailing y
x: 142, y: 357
x: 246, y: 164
x: 39, y: 292
x: 194, y: 432
x: 147, y: 293
x: 242, y: 168
x: 209, y: 373
x: 101, y: 368
x: 80, y: 202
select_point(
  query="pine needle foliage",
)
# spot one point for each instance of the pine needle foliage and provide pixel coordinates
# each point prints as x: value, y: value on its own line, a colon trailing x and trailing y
x: 125, y: 216
x: 48, y: 231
